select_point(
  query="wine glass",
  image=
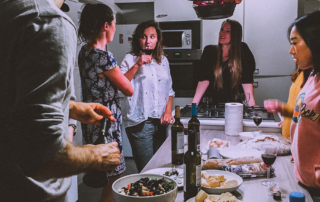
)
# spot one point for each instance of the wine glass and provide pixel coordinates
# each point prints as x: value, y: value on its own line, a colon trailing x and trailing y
x: 207, y: 101
x: 147, y: 51
x: 269, y: 155
x: 257, y: 118
x: 245, y: 98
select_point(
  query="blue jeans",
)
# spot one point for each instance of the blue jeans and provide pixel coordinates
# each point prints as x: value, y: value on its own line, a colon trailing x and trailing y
x: 145, y: 139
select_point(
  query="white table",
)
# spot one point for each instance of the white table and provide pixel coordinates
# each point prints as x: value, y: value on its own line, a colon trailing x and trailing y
x: 251, y: 190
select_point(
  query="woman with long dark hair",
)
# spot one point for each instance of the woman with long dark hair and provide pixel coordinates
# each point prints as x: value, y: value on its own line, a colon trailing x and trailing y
x: 101, y: 78
x: 227, y: 68
x: 305, y: 126
x: 148, y: 111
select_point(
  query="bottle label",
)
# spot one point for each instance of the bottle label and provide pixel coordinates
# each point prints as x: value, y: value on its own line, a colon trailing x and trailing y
x: 198, y: 175
x: 198, y: 141
x: 185, y: 178
x: 180, y: 142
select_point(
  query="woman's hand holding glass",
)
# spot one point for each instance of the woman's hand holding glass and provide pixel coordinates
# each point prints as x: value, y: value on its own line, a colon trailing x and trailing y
x: 143, y: 60
x: 273, y: 106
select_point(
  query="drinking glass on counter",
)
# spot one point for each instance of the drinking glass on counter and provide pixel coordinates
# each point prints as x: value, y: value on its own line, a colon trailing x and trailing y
x: 257, y: 118
x: 245, y: 98
x: 269, y: 155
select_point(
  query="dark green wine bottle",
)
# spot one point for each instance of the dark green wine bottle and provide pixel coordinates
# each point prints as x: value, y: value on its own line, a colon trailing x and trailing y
x: 194, y: 125
x: 192, y: 168
x: 97, y: 178
x: 177, y: 139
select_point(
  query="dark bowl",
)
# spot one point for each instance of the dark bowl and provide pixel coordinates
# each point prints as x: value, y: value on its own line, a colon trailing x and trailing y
x: 215, y: 11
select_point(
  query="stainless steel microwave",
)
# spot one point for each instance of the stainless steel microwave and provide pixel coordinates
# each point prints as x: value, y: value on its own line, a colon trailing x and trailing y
x: 177, y: 39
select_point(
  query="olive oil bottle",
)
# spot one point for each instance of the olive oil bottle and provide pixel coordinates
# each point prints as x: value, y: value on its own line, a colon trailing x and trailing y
x: 177, y: 139
x: 192, y: 168
x: 194, y: 125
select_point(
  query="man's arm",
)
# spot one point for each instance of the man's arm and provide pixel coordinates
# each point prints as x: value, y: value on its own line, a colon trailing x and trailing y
x: 73, y: 160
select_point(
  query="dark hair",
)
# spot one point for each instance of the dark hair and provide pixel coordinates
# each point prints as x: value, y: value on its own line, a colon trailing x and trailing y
x: 308, y: 26
x: 138, y: 33
x: 93, y: 18
x: 306, y: 74
x: 234, y: 58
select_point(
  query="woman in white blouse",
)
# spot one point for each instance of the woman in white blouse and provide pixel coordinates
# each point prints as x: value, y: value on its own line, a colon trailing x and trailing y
x: 148, y: 111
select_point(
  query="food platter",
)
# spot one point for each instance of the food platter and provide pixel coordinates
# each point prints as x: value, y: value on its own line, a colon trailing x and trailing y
x: 237, y: 152
x: 228, y: 176
x: 161, y: 171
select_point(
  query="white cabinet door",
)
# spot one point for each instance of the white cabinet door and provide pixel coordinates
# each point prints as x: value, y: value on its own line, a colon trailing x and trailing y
x: 271, y: 88
x: 265, y: 31
x: 174, y: 10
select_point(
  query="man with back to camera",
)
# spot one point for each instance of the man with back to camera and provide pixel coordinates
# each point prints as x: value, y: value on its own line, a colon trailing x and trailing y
x: 37, y: 54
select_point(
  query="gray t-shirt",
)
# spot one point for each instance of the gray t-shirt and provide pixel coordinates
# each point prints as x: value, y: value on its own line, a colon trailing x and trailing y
x: 37, y: 55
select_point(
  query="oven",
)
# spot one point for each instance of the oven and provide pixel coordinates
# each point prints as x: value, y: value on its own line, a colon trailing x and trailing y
x: 184, y: 69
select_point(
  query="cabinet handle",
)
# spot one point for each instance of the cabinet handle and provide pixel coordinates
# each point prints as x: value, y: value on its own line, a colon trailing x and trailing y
x: 162, y: 15
x: 255, y: 84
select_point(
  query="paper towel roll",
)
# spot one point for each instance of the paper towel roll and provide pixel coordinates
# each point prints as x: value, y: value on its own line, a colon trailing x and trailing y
x: 233, y: 118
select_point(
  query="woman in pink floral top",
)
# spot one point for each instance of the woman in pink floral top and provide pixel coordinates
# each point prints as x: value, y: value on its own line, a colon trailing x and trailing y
x: 305, y: 126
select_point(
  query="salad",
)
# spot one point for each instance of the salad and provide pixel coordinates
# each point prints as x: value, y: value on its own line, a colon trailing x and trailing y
x: 146, y: 187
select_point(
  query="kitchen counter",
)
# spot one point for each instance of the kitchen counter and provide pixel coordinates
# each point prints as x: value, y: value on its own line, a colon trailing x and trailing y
x: 266, y: 126
x: 251, y: 190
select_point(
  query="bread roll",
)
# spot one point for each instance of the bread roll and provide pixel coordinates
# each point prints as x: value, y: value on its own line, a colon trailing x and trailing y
x: 211, y: 198
x: 201, y: 196
x: 217, y: 163
x: 232, y: 183
x: 204, y: 174
x: 227, y: 197
x: 204, y: 183
x: 213, y: 183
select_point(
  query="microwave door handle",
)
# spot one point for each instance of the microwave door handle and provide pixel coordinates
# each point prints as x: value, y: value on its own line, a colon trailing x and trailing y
x: 180, y: 63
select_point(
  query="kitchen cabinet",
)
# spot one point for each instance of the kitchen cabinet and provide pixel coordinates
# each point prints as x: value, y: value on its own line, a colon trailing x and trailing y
x: 265, y: 31
x: 177, y: 10
x: 271, y: 87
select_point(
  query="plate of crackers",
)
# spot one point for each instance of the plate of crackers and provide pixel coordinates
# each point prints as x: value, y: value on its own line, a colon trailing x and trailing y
x: 218, y: 181
x: 202, y: 196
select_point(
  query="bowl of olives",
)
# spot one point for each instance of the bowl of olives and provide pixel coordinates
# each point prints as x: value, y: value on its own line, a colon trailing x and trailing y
x: 144, y: 187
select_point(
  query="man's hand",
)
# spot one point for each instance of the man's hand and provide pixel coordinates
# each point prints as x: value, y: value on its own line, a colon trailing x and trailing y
x: 89, y: 113
x: 107, y: 156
